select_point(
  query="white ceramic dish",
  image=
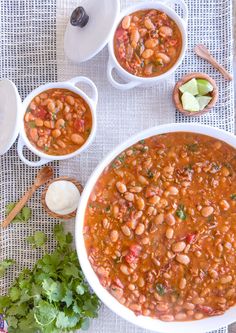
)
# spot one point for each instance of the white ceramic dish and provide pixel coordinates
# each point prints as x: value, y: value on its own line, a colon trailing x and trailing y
x: 70, y: 85
x: 131, y: 80
x: 199, y: 326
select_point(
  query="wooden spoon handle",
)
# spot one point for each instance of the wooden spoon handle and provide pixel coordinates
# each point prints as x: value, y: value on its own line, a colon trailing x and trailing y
x: 19, y: 206
x: 204, y: 53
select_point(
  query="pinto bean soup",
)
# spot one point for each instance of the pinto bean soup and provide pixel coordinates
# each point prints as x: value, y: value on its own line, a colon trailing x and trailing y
x: 147, y: 43
x: 58, y: 122
x: 160, y: 227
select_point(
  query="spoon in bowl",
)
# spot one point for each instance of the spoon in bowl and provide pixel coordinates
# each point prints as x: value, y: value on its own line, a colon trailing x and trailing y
x: 43, y: 177
x: 204, y: 53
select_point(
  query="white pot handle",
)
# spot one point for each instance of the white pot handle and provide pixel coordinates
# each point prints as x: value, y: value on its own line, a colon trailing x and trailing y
x: 89, y: 82
x: 184, y: 7
x: 115, y: 84
x: 20, y: 147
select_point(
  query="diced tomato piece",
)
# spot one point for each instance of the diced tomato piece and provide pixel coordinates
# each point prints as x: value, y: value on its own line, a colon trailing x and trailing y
x: 135, y: 249
x: 173, y: 42
x: 42, y: 113
x: 206, y: 309
x: 190, y: 239
x: 79, y: 125
x: 131, y: 258
x: 119, y: 283
x: 119, y: 33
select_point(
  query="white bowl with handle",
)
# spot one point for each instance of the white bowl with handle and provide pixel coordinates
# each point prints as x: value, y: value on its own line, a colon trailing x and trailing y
x: 132, y: 81
x: 197, y: 326
x: 69, y: 85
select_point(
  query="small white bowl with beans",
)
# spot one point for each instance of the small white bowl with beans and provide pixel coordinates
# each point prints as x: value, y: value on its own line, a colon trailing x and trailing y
x: 151, y: 50
x: 42, y: 133
x: 199, y: 324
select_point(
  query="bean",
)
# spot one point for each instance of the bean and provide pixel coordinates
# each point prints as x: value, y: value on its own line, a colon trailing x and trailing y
x: 140, y: 229
x: 126, y: 230
x: 131, y: 286
x: 178, y: 247
x: 61, y: 143
x: 77, y: 139
x: 198, y: 300
x: 217, y: 145
x: 117, y: 292
x: 70, y: 100
x: 198, y: 315
x: 105, y: 223
x: 207, y: 211
x: 126, y: 22
x: 37, y: 100
x: 142, y: 180
x: 183, y: 259
x: 162, y: 57
x: 189, y: 306
x: 56, y: 133
x: 161, y: 306
x: 213, y: 274
x: 165, y: 31
x: 38, y: 122
x: 224, y: 204
x: 180, y: 316
x: 170, y: 219
x: 121, y: 187
x: 167, y: 317
x: 124, y: 269
x: 173, y: 190
x: 51, y: 106
x: 141, y: 282
x: 169, y: 233
x: 154, y: 200
x: 134, y: 37
x: 135, y: 307
x: 145, y: 240
x: 40, y: 142
x: 43, y: 96
x: 148, y: 69
x: 226, y: 279
x: 151, y: 43
x: 140, y: 203
x: 159, y: 219
x: 136, y: 189
x: 49, y: 124
x: 148, y: 23
x: 33, y: 132
x: 114, y: 235
x: 147, y: 53
x: 129, y: 196
x: 171, y: 52
x: 230, y: 292
x: 60, y: 123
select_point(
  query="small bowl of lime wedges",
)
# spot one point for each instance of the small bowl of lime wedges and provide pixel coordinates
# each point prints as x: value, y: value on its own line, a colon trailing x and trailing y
x: 195, y: 94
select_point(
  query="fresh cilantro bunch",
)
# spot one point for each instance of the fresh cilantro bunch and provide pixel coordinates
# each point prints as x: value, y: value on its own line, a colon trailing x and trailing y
x: 52, y: 298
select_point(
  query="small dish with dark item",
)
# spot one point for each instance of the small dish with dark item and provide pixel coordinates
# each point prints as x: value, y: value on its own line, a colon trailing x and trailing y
x: 61, y: 197
x: 213, y: 94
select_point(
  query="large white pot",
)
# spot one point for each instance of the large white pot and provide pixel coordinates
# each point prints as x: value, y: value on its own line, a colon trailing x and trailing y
x: 131, y: 80
x: 197, y: 326
x: 70, y: 85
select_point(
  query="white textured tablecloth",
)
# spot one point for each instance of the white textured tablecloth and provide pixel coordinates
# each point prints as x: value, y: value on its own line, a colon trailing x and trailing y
x: 31, y: 53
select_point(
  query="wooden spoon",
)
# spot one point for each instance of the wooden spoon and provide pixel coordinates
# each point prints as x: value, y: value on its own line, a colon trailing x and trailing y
x: 204, y: 53
x: 43, y: 177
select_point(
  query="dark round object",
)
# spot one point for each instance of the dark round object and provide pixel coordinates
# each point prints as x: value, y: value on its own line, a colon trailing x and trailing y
x: 79, y: 17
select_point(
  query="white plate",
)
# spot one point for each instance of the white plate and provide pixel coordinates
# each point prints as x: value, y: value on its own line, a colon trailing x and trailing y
x: 156, y: 325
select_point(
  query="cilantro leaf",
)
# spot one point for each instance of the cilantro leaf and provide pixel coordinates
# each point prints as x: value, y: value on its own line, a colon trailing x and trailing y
x: 4, y: 265
x: 53, y: 290
x: 181, y: 212
x: 160, y: 289
x: 38, y: 239
x: 45, y: 313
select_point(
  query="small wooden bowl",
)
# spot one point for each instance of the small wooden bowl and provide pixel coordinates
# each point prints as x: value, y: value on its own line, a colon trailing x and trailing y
x: 177, y: 94
x: 57, y: 216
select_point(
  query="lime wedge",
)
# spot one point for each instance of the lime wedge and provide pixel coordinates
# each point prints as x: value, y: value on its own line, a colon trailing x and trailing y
x: 204, y: 87
x: 190, y: 87
x: 189, y: 102
x: 203, y: 101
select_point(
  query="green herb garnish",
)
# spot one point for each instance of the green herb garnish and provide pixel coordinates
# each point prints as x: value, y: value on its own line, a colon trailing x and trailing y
x: 38, y: 239
x: 32, y: 124
x: 150, y: 174
x: 233, y: 196
x: 23, y: 216
x: 181, y: 212
x: 160, y: 289
x: 108, y: 209
x: 53, y: 297
x: 192, y: 147
x: 4, y: 265
x: 142, y: 142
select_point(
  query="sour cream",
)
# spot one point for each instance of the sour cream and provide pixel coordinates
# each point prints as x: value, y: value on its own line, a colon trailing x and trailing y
x: 62, y: 197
